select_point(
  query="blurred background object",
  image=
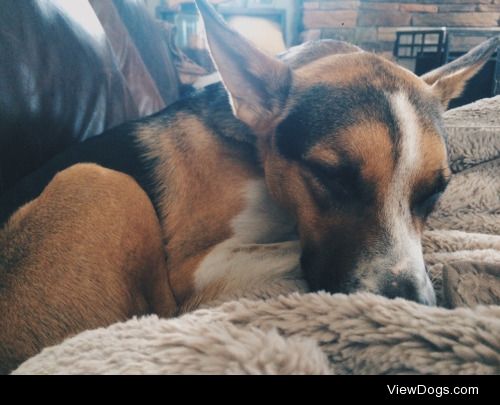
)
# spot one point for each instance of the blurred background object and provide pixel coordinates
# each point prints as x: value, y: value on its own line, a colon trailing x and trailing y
x: 272, y: 25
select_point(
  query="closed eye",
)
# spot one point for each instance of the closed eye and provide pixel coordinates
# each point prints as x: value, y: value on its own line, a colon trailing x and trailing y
x: 426, y: 202
x: 424, y: 207
x: 343, y: 182
x: 332, y: 179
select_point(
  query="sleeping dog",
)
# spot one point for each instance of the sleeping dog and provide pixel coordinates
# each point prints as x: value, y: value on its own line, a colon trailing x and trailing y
x: 327, y: 156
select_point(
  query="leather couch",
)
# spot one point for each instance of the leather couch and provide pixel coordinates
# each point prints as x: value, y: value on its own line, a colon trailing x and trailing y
x: 71, y: 69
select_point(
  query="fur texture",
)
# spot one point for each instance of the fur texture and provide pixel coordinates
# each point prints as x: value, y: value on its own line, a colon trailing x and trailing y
x: 322, y: 333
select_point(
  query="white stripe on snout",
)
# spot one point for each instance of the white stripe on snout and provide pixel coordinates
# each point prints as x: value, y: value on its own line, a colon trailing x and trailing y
x: 406, y: 246
x: 397, y: 211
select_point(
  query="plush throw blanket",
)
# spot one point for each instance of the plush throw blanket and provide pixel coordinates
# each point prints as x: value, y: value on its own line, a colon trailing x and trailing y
x: 319, y: 333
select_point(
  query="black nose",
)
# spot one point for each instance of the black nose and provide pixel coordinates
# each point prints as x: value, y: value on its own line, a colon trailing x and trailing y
x: 400, y: 286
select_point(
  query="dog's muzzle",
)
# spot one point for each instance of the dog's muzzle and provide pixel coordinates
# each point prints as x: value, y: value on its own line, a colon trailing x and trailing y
x: 406, y: 285
x: 407, y: 278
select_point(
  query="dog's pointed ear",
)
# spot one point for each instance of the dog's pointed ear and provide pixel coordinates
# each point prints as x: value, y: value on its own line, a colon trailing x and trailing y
x: 257, y: 84
x: 448, y: 81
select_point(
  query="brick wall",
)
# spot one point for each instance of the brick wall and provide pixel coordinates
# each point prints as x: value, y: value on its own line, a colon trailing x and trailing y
x: 372, y: 24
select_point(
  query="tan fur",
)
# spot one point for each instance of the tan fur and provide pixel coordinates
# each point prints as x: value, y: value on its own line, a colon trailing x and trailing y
x: 196, y: 215
x: 86, y: 253
x: 285, y: 179
x: 435, y: 157
x: 208, y: 294
x: 324, y: 154
x: 356, y: 68
x: 301, y: 55
x: 368, y: 143
x: 452, y: 86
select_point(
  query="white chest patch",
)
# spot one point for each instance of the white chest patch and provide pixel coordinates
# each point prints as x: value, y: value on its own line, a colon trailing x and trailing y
x: 263, y: 246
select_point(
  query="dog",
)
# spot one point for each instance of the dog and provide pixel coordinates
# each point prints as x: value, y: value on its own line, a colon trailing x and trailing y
x: 327, y: 156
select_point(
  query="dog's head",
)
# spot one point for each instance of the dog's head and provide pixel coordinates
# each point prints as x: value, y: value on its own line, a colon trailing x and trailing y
x: 352, y: 145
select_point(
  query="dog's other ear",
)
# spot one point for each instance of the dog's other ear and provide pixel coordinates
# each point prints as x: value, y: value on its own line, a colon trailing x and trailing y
x: 303, y: 54
x: 257, y: 84
x: 448, y: 81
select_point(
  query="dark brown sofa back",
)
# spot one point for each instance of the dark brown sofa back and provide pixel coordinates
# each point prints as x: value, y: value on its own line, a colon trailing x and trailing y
x: 63, y: 79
